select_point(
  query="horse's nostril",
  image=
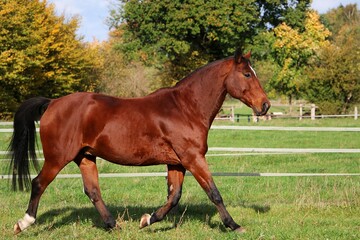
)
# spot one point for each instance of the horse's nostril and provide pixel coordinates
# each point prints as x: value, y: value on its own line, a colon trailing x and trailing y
x: 265, y: 107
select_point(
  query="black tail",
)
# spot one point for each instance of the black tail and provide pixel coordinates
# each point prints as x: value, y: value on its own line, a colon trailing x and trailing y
x: 23, y: 141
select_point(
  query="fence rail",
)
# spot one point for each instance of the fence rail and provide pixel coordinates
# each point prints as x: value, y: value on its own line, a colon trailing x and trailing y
x: 232, y: 151
x: 262, y: 128
x: 284, y: 150
x: 220, y: 174
x: 235, y: 117
x: 309, y: 129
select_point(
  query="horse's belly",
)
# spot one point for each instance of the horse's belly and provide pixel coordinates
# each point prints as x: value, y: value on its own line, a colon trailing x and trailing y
x: 139, y: 156
x: 132, y: 143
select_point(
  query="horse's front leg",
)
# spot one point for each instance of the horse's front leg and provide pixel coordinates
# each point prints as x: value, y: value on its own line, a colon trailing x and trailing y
x: 200, y: 170
x: 175, y: 180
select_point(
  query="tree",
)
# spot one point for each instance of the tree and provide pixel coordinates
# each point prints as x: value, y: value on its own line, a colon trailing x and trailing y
x: 339, y: 17
x: 275, y: 12
x: 121, y: 78
x: 179, y: 36
x: 292, y: 49
x: 334, y: 82
x: 40, y: 54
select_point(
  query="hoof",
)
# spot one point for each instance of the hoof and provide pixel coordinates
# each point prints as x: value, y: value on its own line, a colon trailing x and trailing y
x: 145, y: 220
x: 240, y: 230
x: 110, y: 224
x: 16, y: 229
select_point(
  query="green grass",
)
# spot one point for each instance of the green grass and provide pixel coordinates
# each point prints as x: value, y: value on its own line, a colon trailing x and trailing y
x: 283, y: 139
x: 295, y: 122
x: 268, y: 207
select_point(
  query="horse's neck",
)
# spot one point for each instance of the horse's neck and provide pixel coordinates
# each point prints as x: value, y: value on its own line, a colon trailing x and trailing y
x: 203, y: 92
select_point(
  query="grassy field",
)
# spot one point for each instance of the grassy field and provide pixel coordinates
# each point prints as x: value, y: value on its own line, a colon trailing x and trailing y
x: 268, y: 207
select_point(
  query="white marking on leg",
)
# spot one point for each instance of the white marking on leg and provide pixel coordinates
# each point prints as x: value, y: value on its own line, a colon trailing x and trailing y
x: 145, y: 220
x: 171, y: 188
x: 26, y: 222
x: 148, y: 219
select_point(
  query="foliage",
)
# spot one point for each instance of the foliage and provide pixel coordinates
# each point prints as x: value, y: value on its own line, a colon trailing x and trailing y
x: 338, y: 18
x: 121, y: 78
x: 179, y: 27
x: 275, y: 12
x: 40, y: 54
x: 156, y: 43
x: 292, y: 50
x: 180, y: 36
x: 334, y: 75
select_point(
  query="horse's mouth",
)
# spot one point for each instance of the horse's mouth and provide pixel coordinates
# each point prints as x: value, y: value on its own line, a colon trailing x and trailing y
x: 264, y: 109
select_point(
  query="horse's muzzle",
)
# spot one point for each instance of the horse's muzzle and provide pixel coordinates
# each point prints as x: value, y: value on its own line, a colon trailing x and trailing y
x: 264, y: 108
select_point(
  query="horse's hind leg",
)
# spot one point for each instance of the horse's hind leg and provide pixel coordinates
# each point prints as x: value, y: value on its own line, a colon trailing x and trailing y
x: 38, y: 186
x: 90, y: 178
x: 175, y: 180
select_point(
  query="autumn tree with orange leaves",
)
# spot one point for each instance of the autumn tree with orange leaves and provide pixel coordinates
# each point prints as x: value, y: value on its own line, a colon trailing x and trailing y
x: 293, y: 49
x: 40, y: 54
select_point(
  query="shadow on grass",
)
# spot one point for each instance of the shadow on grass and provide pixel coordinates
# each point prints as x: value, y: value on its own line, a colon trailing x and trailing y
x: 257, y: 208
x: 178, y: 215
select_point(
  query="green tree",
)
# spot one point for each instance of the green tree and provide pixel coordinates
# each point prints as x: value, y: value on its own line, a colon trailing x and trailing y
x: 40, y: 54
x: 275, y: 12
x: 179, y: 36
x: 334, y: 82
x: 292, y: 50
x: 122, y: 78
x: 337, y: 18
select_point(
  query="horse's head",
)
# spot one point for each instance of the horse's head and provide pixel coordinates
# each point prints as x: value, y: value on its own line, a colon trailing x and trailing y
x: 242, y: 83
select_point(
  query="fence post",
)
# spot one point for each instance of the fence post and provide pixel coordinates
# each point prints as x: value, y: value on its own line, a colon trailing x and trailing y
x: 356, y: 113
x: 255, y: 118
x: 312, y: 111
x: 232, y: 113
x: 301, y: 112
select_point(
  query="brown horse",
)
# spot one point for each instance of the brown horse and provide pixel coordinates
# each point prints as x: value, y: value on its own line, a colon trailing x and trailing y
x: 169, y: 126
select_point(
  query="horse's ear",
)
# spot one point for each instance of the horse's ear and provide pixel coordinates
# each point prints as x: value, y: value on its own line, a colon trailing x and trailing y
x: 248, y: 55
x: 238, y: 55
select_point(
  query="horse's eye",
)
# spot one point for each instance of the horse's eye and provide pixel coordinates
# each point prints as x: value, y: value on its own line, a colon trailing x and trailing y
x: 247, y: 75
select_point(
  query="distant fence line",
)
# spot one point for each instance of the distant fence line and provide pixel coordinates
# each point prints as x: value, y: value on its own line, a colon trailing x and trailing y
x: 235, y: 117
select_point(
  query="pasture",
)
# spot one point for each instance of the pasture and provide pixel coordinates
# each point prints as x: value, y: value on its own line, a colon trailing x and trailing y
x: 323, y: 207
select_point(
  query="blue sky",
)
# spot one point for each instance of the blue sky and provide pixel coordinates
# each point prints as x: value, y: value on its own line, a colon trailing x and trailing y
x: 93, y: 13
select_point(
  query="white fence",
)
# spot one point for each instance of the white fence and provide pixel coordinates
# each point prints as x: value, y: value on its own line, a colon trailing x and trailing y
x: 234, y: 151
x: 234, y: 117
